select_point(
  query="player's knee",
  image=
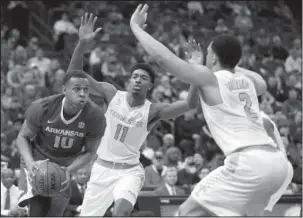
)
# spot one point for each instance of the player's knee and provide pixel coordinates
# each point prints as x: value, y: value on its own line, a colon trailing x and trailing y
x: 122, y: 207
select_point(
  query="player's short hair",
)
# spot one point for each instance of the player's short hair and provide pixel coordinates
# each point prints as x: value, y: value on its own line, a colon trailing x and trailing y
x: 146, y: 67
x: 73, y: 74
x: 228, y: 49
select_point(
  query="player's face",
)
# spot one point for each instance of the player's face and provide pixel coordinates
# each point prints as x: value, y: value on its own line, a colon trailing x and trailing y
x: 76, y: 92
x: 171, y: 177
x: 210, y: 57
x: 140, y: 82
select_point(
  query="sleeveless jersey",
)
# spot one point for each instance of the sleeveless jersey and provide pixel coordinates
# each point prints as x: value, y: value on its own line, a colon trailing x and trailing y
x: 276, y: 132
x: 236, y: 122
x: 58, y: 139
x: 125, y: 132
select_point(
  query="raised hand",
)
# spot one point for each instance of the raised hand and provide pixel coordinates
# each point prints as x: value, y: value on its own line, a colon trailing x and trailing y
x: 193, y: 52
x: 139, y: 16
x: 86, y: 30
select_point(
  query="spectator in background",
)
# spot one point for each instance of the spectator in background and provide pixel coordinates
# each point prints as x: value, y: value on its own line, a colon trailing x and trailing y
x: 29, y: 94
x: 78, y: 189
x: 9, y: 195
x: 57, y: 83
x: 168, y: 141
x: 154, y: 172
x: 187, y: 125
x: 187, y: 147
x: 62, y: 27
x: 248, y: 59
x: 51, y: 73
x: 263, y: 44
x: 292, y: 105
x: 12, y: 133
x: 202, y: 173
x: 278, y: 50
x: 243, y: 21
x: 221, y: 27
x: 32, y: 47
x: 293, y: 61
x: 172, y: 157
x: 19, y: 57
x: 188, y: 175
x: 199, y: 161
x: 42, y: 63
x: 297, y: 46
x: 169, y: 188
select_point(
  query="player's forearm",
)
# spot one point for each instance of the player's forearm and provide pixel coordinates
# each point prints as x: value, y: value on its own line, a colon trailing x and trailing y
x: 258, y: 80
x: 81, y: 161
x: 192, y: 98
x: 24, y: 148
x: 76, y: 62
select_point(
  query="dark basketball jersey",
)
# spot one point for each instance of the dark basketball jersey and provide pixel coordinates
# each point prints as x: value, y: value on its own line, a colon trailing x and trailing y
x: 58, y: 139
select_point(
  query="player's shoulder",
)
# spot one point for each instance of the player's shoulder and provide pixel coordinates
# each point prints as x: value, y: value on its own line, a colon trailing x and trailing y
x: 46, y: 102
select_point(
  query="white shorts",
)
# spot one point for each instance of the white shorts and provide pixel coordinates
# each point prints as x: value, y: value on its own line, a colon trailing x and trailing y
x: 248, y: 178
x: 106, y: 185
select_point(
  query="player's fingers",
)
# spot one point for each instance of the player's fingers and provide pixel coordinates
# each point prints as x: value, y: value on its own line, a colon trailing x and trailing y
x: 82, y: 21
x: 85, y: 18
x: 90, y: 18
x: 95, y: 20
x: 138, y: 8
x: 145, y: 8
x: 98, y: 30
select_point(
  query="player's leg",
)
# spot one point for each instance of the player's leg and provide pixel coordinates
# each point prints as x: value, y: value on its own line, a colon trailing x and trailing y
x: 126, y: 191
x: 191, y: 207
x: 99, y: 192
x: 39, y: 206
x: 59, y: 203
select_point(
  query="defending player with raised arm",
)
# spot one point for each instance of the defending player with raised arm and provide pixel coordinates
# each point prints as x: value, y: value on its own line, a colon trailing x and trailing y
x: 65, y: 129
x: 130, y: 117
x: 158, y: 110
x: 199, y: 75
x: 230, y: 106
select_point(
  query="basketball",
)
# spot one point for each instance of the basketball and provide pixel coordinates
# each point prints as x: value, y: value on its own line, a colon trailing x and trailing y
x: 47, y: 180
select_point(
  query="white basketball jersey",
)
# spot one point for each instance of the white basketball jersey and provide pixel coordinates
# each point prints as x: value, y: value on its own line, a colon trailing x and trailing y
x: 235, y: 123
x: 276, y: 133
x: 126, y: 130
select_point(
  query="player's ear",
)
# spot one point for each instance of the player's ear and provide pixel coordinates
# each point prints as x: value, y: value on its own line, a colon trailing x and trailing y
x: 214, y: 59
x: 64, y: 89
x: 150, y: 86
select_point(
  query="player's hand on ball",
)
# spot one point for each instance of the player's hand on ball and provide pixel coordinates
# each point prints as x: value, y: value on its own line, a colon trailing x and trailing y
x: 86, y: 30
x: 34, y: 167
x: 193, y: 53
x: 139, y: 16
x: 65, y: 184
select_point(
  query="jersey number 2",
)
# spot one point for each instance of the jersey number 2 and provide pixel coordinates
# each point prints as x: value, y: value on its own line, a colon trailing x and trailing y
x: 247, y: 107
x: 63, y: 142
x: 124, y: 132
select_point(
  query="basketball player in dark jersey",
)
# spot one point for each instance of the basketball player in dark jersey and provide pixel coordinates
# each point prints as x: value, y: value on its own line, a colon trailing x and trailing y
x: 65, y: 129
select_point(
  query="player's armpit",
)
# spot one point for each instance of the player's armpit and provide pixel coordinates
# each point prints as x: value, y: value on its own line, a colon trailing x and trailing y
x: 102, y: 89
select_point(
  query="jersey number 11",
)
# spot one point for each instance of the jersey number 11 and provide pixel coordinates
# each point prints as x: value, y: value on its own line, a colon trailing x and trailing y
x: 124, y: 132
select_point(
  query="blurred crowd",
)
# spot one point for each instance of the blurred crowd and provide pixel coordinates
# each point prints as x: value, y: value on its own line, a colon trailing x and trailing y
x: 178, y: 153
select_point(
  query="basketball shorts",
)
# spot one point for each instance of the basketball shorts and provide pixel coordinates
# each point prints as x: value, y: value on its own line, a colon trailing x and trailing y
x: 254, y: 178
x: 107, y: 185
x: 58, y: 202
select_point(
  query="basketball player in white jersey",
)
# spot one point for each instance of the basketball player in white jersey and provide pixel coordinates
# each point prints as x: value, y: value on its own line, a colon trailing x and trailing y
x: 117, y: 174
x: 273, y: 132
x: 254, y: 168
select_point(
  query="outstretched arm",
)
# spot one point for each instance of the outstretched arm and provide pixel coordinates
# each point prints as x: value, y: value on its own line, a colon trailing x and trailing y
x: 168, y: 111
x: 86, y: 35
x: 191, y: 74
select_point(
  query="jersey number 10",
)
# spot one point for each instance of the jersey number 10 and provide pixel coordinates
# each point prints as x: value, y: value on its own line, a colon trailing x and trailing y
x: 124, y: 132
x: 63, y: 142
x: 247, y: 107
